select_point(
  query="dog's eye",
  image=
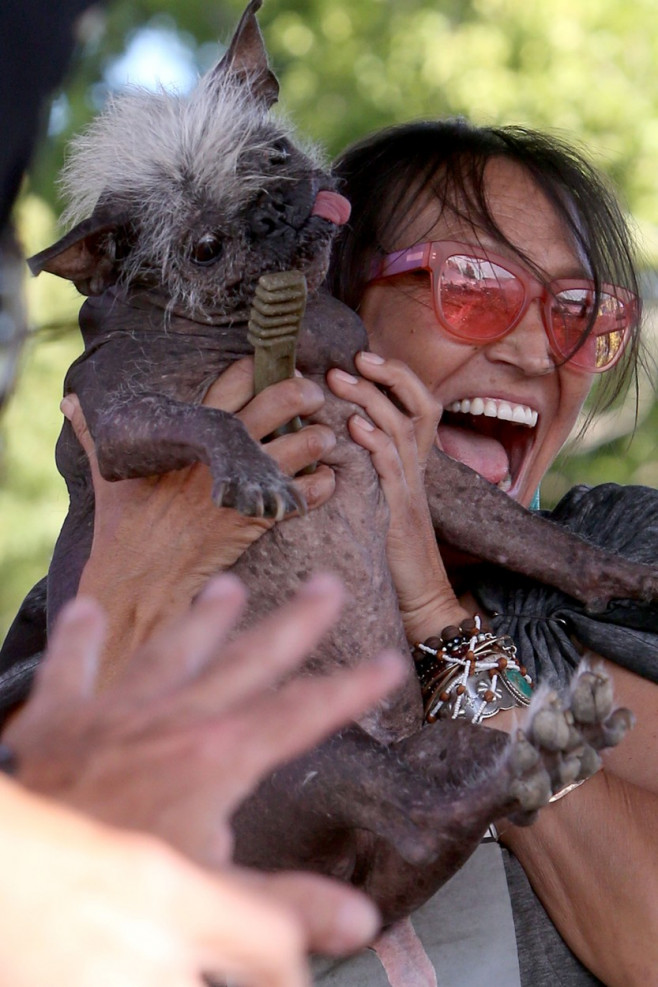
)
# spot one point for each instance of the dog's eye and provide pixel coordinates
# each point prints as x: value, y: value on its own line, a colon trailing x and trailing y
x: 279, y: 152
x: 207, y: 249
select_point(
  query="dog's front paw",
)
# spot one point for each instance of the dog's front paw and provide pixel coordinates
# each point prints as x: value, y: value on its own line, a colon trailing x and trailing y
x: 256, y: 488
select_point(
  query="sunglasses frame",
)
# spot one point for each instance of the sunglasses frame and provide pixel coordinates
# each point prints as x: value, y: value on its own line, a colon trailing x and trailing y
x: 431, y: 255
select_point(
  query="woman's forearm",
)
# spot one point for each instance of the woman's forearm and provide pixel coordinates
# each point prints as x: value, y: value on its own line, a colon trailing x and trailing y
x: 592, y: 858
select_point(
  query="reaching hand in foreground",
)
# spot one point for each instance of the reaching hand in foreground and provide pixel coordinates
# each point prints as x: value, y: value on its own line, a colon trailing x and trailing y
x: 190, y: 725
x: 186, y: 730
x: 83, y: 904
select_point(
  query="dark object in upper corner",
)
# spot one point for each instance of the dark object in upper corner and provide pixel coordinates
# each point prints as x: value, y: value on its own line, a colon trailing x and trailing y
x: 37, y: 38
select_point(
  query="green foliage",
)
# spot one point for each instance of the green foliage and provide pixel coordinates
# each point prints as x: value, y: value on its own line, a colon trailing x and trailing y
x: 587, y: 68
x: 614, y: 448
x: 584, y: 67
x: 33, y: 496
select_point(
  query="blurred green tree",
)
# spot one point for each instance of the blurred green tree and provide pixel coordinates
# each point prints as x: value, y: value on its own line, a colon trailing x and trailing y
x: 586, y: 67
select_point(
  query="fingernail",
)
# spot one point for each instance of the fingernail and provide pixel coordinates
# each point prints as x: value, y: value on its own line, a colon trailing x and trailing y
x: 369, y: 357
x: 356, y: 924
x: 298, y: 373
x: 67, y: 407
x: 221, y: 587
x: 344, y: 376
x: 328, y: 442
x: 391, y: 663
x: 321, y: 584
x: 362, y: 423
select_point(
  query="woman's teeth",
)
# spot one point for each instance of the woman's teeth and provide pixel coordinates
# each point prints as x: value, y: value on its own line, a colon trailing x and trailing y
x: 520, y: 414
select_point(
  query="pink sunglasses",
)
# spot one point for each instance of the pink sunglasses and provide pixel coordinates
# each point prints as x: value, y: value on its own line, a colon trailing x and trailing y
x: 480, y: 297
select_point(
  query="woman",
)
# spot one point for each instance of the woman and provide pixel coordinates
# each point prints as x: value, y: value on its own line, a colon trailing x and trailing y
x: 524, y: 210
x: 509, y: 207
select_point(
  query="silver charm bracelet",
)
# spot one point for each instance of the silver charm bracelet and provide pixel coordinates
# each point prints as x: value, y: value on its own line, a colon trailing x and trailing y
x: 471, y: 673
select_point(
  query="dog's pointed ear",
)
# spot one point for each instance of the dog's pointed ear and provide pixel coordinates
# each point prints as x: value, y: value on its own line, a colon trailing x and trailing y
x: 86, y: 255
x: 246, y: 59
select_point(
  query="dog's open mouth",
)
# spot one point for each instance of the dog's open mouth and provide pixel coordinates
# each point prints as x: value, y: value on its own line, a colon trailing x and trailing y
x: 491, y: 436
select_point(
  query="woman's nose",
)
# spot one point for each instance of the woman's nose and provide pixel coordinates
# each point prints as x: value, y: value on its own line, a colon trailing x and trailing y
x: 526, y: 346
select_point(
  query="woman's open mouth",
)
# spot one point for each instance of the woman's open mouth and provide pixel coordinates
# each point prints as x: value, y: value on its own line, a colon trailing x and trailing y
x: 492, y: 436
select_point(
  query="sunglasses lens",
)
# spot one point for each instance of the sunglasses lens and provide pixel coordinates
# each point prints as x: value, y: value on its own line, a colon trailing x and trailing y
x: 477, y: 299
x: 571, y: 317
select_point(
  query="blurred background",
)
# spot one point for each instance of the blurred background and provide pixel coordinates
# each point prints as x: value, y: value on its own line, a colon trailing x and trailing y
x: 587, y: 69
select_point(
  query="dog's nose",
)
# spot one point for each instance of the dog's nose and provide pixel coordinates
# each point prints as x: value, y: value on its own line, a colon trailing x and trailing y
x: 269, y: 218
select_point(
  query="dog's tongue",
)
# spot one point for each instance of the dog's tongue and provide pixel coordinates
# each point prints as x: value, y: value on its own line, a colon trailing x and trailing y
x: 482, y: 453
x: 331, y: 206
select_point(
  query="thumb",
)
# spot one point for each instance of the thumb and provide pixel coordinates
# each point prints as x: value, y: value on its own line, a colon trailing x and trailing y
x: 72, y: 410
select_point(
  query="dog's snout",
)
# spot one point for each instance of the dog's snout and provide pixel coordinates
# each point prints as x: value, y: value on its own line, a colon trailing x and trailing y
x: 270, y: 217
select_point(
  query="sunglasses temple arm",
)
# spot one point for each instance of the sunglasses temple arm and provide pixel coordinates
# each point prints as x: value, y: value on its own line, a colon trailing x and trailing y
x: 401, y: 261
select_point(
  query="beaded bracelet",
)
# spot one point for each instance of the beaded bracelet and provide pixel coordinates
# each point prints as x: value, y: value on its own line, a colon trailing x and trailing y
x: 470, y: 673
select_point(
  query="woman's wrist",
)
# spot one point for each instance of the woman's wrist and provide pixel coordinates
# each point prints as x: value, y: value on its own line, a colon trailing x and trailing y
x: 134, y: 607
x: 466, y: 671
x: 428, y: 620
x: 430, y: 604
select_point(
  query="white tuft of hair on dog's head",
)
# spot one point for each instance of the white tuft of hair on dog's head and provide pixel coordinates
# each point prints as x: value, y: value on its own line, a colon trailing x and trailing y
x: 161, y: 157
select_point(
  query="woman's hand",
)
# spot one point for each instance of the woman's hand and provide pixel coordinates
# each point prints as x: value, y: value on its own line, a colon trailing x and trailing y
x: 157, y: 540
x: 399, y: 437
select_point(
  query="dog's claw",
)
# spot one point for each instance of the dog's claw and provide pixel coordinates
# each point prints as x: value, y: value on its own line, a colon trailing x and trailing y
x: 300, y: 502
x: 280, y: 510
x: 218, y: 492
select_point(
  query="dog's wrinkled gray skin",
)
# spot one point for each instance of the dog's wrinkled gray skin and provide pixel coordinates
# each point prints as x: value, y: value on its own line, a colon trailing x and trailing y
x: 181, y: 204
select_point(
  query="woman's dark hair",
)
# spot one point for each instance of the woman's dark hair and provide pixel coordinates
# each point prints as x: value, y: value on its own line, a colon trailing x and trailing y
x: 390, y: 176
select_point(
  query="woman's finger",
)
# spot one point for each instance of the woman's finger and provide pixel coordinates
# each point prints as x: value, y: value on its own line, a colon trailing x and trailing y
x: 279, y: 404
x: 409, y: 391
x: 295, y: 451
x: 317, y: 487
x: 233, y: 388
x: 411, y: 419
x: 389, y: 437
x: 385, y: 456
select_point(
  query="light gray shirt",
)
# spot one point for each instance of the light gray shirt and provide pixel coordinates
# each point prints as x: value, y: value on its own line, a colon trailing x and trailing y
x: 484, y: 928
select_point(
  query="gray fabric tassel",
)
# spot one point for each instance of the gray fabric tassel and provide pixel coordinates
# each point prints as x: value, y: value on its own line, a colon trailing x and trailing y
x: 551, y: 629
